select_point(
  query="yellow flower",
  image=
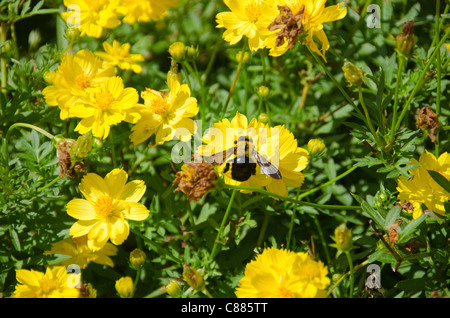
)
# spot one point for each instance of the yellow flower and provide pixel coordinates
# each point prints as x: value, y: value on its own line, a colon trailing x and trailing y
x: 109, y: 203
x: 421, y: 188
x: 119, y: 55
x: 93, y: 16
x: 275, y: 144
x: 246, y: 18
x: 75, y: 74
x: 106, y: 105
x: 54, y: 283
x: 301, y: 20
x: 80, y: 252
x: 145, y: 10
x: 166, y: 114
x: 124, y: 287
x: 283, y: 274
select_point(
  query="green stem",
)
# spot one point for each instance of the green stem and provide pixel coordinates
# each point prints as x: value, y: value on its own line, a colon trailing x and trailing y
x: 322, y: 239
x: 222, y: 225
x: 291, y: 225
x: 346, y: 275
x: 4, y: 79
x: 438, y: 75
x: 419, y: 81
x: 238, y: 70
x: 323, y: 185
x: 48, y: 185
x: 136, y: 279
x: 280, y: 197
x: 366, y: 113
x: 262, y: 233
x: 350, y: 264
x: 401, y: 64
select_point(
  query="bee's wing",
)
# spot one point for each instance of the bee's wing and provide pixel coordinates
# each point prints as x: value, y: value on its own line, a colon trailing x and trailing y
x: 220, y: 157
x: 266, y: 167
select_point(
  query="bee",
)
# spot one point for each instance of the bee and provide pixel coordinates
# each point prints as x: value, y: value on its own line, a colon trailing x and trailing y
x: 245, y: 160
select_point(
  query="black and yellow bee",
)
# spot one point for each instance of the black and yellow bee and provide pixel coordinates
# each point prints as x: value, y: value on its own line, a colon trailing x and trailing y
x: 243, y: 165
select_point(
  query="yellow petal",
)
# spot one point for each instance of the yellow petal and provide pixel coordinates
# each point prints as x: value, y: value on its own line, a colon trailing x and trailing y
x: 81, y: 209
x: 133, y: 191
x: 137, y: 212
x: 93, y: 187
x: 116, y: 180
x: 81, y: 228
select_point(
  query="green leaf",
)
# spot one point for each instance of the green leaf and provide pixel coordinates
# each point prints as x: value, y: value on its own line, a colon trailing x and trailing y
x: 406, y: 233
x: 373, y: 214
x: 15, y: 239
x: 440, y: 179
x: 415, y: 285
x: 391, y: 217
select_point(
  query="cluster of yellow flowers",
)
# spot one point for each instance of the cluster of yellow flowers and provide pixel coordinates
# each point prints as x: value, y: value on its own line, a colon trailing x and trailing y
x: 279, y: 24
x: 93, y: 17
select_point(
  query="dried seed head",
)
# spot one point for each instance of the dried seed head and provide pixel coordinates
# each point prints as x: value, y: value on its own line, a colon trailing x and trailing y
x: 289, y: 24
x: 195, y: 180
x: 427, y: 119
x: 68, y: 167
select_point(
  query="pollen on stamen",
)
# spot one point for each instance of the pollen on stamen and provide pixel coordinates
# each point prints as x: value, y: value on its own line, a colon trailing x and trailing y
x: 103, y: 206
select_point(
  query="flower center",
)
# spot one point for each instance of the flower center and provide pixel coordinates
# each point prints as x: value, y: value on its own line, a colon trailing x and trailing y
x: 103, y: 99
x: 83, y: 81
x: 289, y: 24
x: 285, y: 293
x: 48, y: 285
x: 253, y: 12
x: 103, y: 206
x: 159, y: 106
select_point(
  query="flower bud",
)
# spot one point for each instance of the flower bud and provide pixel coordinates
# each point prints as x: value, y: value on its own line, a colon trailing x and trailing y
x: 49, y: 76
x: 177, y: 50
x: 406, y: 40
x: 137, y: 258
x: 315, y: 146
x: 263, y: 117
x: 244, y: 58
x: 82, y: 147
x: 73, y: 34
x: 343, y: 238
x: 193, y: 277
x: 263, y: 91
x: 191, y: 52
x: 124, y: 287
x: 353, y: 74
x: 173, y: 288
x: 34, y: 38
x: 174, y: 72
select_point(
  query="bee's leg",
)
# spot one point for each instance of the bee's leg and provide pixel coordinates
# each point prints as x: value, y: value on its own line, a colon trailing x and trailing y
x: 227, y: 167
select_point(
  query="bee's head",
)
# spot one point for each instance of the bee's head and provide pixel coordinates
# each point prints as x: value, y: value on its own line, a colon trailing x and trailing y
x: 244, y: 138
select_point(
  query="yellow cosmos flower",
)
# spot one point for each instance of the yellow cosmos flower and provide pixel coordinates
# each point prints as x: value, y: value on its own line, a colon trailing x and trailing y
x: 145, y: 10
x: 283, y: 274
x: 92, y: 17
x: 421, y: 188
x: 109, y: 203
x: 106, y: 105
x: 119, y: 55
x: 54, y: 283
x: 80, y: 252
x: 301, y: 20
x: 166, y: 114
x: 275, y: 144
x: 247, y: 18
x: 75, y: 74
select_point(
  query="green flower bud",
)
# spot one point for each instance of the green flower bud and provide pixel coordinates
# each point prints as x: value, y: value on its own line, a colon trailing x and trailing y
x: 353, y: 74
x: 343, y: 238
x: 137, y: 258
x: 191, y: 52
x: 73, y: 34
x: 315, y: 146
x: 263, y: 91
x: 263, y: 117
x: 34, y: 38
x: 82, y: 147
x: 406, y: 40
x: 173, y: 288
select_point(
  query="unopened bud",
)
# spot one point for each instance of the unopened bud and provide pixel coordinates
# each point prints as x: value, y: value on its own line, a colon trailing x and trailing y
x: 73, y: 34
x: 263, y: 91
x: 191, y: 52
x: 82, y: 147
x: 193, y: 277
x: 49, y: 76
x: 174, y: 72
x: 315, y: 146
x: 343, y: 238
x: 34, y: 38
x: 244, y: 57
x: 124, y: 287
x: 173, y: 288
x: 137, y: 258
x: 406, y: 40
x: 263, y: 117
x: 353, y: 74
x: 177, y: 50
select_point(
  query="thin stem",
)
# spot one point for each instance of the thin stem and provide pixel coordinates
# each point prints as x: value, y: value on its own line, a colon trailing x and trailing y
x: 262, y: 233
x: 4, y: 79
x: 366, y: 113
x: 291, y: 225
x: 323, y: 185
x: 438, y: 74
x: 238, y: 70
x: 280, y: 197
x: 136, y: 279
x: 366, y: 262
x: 401, y: 64
x: 322, y: 239
x: 419, y: 81
x: 48, y: 185
x: 350, y: 264
x: 222, y: 225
